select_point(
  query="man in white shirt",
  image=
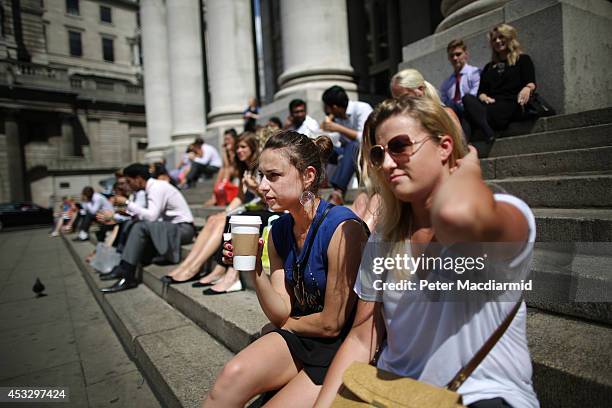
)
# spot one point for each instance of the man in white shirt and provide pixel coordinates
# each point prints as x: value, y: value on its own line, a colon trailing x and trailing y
x: 347, y: 118
x: 164, y: 225
x: 207, y: 162
x: 91, y: 203
x: 300, y: 121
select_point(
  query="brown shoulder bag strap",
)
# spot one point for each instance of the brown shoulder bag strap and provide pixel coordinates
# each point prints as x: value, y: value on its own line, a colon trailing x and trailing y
x: 465, y: 371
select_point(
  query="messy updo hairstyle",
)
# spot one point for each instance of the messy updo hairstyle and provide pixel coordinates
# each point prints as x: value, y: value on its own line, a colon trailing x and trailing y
x: 395, y: 215
x: 303, y: 152
x: 251, y: 163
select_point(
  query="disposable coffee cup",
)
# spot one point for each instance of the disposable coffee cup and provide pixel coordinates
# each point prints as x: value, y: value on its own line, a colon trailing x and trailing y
x: 245, y: 240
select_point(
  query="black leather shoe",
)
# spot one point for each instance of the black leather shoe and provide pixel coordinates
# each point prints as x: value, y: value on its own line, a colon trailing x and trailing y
x: 120, y: 285
x: 116, y: 273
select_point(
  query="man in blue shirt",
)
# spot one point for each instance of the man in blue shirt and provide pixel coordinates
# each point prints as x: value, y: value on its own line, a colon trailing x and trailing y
x: 464, y: 80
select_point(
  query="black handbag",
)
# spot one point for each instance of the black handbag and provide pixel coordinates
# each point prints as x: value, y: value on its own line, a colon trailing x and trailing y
x: 537, y: 107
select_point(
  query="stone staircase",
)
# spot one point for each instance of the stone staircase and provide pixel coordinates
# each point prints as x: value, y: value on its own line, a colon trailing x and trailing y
x: 561, y: 166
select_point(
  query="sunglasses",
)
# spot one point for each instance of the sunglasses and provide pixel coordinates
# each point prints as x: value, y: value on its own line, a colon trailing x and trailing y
x: 399, y: 147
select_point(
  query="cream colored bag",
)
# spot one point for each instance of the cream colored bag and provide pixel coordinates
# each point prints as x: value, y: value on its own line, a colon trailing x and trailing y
x: 367, y: 386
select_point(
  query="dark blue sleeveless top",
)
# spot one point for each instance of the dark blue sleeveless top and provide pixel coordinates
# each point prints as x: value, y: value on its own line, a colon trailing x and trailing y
x: 315, y: 272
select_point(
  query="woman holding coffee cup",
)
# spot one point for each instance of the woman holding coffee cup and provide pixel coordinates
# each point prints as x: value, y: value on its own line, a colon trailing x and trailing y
x: 209, y: 239
x: 314, y: 253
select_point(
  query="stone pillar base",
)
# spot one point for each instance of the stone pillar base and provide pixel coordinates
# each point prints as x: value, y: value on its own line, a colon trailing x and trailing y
x: 156, y: 153
x: 310, y: 93
x: 315, y: 79
x: 568, y: 43
x: 215, y: 130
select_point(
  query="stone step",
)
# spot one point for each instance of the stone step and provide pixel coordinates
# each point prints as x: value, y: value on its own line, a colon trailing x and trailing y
x: 198, y: 196
x: 235, y: 319
x: 573, y: 225
x: 571, y: 361
x: 201, y: 211
x: 560, y: 122
x: 570, y: 279
x: 549, y: 163
x: 559, y: 191
x: 555, y: 140
x: 179, y: 360
x: 576, y: 191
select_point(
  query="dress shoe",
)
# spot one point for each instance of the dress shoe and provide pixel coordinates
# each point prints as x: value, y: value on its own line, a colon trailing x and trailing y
x: 116, y: 273
x: 203, y: 285
x: 236, y: 287
x: 122, y: 284
x: 171, y: 281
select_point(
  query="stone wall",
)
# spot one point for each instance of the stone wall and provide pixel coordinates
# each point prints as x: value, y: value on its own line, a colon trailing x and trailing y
x: 122, y: 29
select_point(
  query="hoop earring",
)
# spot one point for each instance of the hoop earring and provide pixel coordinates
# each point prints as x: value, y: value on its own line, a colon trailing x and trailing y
x: 306, y: 197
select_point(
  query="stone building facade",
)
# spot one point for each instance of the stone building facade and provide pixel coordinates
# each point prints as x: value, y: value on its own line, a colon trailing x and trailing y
x: 284, y: 49
x: 203, y: 59
x: 71, y: 95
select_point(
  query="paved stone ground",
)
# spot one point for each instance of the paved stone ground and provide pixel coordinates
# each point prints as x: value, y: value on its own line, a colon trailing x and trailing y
x: 63, y: 339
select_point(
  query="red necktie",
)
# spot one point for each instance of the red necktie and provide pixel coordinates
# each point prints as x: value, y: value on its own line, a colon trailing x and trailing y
x: 457, y: 97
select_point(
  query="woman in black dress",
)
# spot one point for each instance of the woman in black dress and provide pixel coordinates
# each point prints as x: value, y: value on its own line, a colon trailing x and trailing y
x: 506, y: 83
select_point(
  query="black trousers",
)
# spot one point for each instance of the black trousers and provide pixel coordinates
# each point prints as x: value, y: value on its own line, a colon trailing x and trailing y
x: 198, y: 170
x: 490, y: 403
x: 85, y: 221
x: 488, y: 117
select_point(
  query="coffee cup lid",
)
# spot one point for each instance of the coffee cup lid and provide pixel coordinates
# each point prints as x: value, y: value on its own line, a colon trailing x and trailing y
x: 245, y: 219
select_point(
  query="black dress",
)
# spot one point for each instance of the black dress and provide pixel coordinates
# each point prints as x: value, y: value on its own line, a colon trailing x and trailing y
x: 315, y: 353
x: 502, y: 82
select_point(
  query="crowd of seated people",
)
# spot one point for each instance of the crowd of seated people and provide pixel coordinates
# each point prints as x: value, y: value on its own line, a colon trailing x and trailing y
x: 426, y: 189
x: 326, y: 311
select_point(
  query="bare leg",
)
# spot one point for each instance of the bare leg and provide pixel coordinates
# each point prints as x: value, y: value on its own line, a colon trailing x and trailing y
x: 299, y: 392
x: 58, y: 226
x: 264, y: 365
x: 206, y: 244
x: 228, y: 280
x: 217, y: 273
x: 68, y: 227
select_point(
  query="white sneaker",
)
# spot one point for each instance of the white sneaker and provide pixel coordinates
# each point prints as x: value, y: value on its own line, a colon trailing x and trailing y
x: 55, y: 234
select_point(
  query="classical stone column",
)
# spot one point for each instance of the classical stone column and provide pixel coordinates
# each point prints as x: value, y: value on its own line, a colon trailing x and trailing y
x: 186, y: 71
x: 67, y: 140
x: 230, y: 62
x: 156, y: 77
x: 457, y: 11
x: 315, y: 46
x: 14, y: 156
